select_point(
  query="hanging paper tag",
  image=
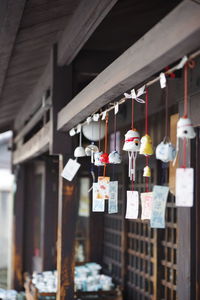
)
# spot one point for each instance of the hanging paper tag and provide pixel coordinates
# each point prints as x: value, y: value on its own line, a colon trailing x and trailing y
x: 141, y: 91
x: 70, y: 169
x: 132, y: 205
x: 113, y: 197
x: 184, y: 187
x: 96, y: 117
x: 146, y: 201
x: 104, y: 187
x: 98, y: 203
x: 182, y: 63
x: 104, y: 115
x: 88, y: 120
x: 116, y: 108
x: 160, y: 194
x: 162, y: 80
x: 72, y: 132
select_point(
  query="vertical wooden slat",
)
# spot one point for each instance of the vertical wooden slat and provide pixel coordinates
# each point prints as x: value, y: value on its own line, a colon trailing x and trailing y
x: 17, y: 280
x: 67, y: 212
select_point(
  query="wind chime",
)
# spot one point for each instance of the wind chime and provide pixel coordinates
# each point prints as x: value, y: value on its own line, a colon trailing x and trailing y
x: 79, y: 151
x: 165, y: 151
x: 132, y: 146
x: 146, y: 142
x: 185, y: 130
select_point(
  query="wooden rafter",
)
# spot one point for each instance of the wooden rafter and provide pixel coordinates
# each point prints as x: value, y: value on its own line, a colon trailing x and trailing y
x: 10, y: 17
x: 176, y: 35
x: 85, y: 20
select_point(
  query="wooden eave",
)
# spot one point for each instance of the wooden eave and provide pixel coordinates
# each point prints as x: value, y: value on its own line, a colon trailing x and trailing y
x: 173, y: 37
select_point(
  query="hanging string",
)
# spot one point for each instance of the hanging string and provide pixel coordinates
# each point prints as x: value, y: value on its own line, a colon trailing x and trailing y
x: 106, y: 143
x: 185, y: 111
x: 166, y: 112
x: 146, y: 111
x: 99, y: 135
x: 186, y: 90
x: 133, y: 101
x: 147, y: 131
x: 115, y: 142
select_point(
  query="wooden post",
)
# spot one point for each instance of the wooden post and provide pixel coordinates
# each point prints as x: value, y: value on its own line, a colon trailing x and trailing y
x: 17, y: 280
x: 67, y: 212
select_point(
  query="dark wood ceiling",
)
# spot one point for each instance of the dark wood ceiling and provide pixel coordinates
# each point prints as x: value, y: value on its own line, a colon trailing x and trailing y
x: 41, y: 24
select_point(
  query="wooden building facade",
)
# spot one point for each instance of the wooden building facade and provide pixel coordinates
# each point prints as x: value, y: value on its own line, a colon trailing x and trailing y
x: 61, y: 61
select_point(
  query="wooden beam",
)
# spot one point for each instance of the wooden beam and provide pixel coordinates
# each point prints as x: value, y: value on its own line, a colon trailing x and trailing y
x: 85, y: 20
x: 10, y: 17
x: 162, y: 45
x: 38, y: 144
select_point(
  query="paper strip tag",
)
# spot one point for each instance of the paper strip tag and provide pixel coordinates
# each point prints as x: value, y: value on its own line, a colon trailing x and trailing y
x: 132, y: 205
x: 184, y: 187
x: 146, y: 201
x: 96, y: 117
x: 141, y: 91
x: 88, y: 120
x: 160, y: 194
x: 104, y: 115
x: 182, y: 62
x: 70, y: 169
x: 116, y: 108
x: 163, y: 80
x: 98, y: 204
x: 113, y: 197
x: 104, y: 187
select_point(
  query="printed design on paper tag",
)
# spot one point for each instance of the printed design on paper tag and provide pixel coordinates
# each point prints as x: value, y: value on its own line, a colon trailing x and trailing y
x: 146, y: 201
x: 70, y: 169
x: 184, y: 187
x: 132, y: 205
x: 103, y: 183
x: 160, y: 194
x: 98, y: 204
x: 113, y: 197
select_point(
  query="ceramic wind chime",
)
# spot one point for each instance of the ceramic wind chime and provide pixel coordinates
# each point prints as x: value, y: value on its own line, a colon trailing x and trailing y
x: 146, y: 141
x: 165, y: 151
x: 185, y: 130
x: 132, y: 146
x: 79, y: 151
x: 98, y: 154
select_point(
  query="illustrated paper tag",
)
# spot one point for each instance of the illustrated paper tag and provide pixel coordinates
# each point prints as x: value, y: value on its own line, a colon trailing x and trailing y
x: 104, y: 187
x: 113, y: 197
x: 146, y: 201
x: 132, y: 205
x: 70, y: 169
x: 160, y: 194
x: 98, y: 204
x: 163, y: 80
x: 184, y: 187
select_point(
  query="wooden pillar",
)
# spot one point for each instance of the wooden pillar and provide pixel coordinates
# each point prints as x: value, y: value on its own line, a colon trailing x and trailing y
x: 18, y: 223
x: 67, y: 212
